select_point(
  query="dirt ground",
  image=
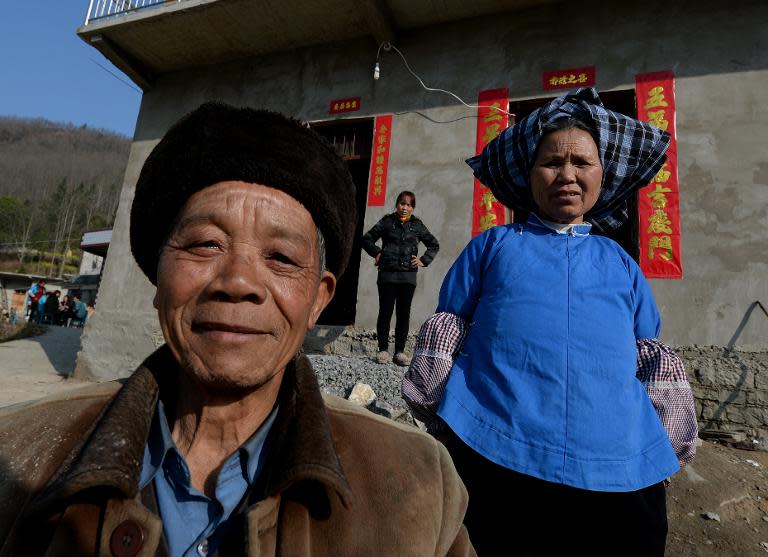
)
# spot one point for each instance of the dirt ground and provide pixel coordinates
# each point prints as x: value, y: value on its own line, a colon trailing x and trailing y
x: 37, y: 366
x: 729, y: 484
x: 732, y: 484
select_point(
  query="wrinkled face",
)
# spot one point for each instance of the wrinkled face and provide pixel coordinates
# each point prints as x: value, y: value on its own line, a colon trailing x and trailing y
x: 404, y: 207
x: 238, y: 284
x: 566, y: 177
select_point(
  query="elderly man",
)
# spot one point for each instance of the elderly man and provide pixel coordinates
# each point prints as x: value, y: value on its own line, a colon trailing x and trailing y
x: 220, y: 443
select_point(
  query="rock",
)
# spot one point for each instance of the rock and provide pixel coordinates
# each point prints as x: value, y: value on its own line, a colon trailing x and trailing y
x: 711, y: 516
x: 362, y: 394
x: 406, y: 418
x: 338, y: 374
x: 764, y: 545
x: 382, y: 408
x: 765, y: 518
x: 722, y: 436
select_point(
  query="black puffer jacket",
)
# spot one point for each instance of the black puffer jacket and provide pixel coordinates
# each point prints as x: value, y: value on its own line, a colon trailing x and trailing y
x: 400, y: 242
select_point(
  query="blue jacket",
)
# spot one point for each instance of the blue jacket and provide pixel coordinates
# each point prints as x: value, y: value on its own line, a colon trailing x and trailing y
x: 81, y: 311
x: 545, y: 384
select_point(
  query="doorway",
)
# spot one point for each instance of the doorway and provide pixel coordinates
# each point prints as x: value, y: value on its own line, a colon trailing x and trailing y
x: 628, y: 234
x: 353, y: 140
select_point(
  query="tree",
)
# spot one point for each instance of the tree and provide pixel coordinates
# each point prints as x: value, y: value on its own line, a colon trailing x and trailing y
x: 55, y: 181
x: 15, y: 224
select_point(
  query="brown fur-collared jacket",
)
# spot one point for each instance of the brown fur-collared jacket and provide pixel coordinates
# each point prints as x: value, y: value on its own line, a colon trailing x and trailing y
x: 338, y: 480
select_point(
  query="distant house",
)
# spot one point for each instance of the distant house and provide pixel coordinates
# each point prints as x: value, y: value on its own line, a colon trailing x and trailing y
x: 94, y: 244
x: 695, y: 67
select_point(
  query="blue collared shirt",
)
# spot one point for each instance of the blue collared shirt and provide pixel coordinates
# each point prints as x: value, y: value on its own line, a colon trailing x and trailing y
x: 194, y: 523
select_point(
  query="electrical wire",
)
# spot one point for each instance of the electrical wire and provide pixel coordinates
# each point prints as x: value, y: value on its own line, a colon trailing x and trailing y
x: 113, y: 74
x: 387, y: 46
x: 470, y: 117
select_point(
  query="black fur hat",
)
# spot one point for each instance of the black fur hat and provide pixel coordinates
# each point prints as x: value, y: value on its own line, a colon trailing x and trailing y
x: 218, y: 142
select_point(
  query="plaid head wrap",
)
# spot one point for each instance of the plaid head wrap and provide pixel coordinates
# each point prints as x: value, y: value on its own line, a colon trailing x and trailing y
x: 631, y: 152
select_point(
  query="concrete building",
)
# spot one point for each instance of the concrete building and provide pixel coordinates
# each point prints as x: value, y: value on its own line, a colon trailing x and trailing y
x: 94, y: 245
x: 299, y: 57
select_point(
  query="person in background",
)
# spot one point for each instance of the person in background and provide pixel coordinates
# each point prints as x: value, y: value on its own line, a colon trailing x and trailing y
x: 40, y: 306
x: 398, y: 261
x: 51, y: 307
x: 79, y: 311
x: 33, y: 296
x: 62, y: 316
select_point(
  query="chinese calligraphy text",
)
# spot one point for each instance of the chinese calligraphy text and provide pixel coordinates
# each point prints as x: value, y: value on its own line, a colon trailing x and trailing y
x: 377, y: 181
x: 487, y: 212
x: 344, y: 105
x: 659, y: 207
x: 567, y: 79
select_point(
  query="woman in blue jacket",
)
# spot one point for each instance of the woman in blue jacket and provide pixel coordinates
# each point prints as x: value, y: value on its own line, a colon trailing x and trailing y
x: 557, y: 441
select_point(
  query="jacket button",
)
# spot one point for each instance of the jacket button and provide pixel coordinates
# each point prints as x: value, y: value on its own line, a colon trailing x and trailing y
x: 127, y: 539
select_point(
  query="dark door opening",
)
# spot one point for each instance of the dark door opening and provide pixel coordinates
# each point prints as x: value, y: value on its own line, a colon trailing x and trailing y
x: 628, y: 234
x: 353, y: 140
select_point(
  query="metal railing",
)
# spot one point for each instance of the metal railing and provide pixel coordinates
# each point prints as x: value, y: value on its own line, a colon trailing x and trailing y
x: 100, y: 9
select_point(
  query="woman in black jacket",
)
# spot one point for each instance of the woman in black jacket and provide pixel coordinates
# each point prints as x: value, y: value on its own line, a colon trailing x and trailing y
x: 398, y: 262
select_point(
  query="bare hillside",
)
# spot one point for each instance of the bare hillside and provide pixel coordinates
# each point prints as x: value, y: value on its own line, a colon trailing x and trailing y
x: 36, y: 154
x: 55, y: 180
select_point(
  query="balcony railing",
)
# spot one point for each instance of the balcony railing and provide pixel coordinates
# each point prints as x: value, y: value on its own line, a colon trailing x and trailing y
x: 100, y: 9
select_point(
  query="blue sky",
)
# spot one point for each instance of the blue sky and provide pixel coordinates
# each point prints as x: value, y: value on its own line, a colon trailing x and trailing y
x: 47, y: 71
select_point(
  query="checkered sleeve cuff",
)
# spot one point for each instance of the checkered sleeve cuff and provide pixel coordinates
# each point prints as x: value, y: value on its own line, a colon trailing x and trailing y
x: 663, y: 375
x: 439, y: 341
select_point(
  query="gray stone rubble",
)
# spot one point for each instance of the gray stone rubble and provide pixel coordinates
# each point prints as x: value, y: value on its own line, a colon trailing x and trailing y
x: 339, y: 375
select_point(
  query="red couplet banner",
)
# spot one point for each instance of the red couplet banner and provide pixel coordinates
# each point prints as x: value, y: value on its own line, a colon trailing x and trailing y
x: 659, y: 201
x: 487, y: 212
x: 377, y: 182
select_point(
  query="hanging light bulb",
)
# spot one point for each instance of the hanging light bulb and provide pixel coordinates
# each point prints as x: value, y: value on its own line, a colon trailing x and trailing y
x: 376, y: 72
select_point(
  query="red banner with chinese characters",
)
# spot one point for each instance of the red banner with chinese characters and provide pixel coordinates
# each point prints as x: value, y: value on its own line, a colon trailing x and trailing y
x: 377, y: 183
x: 486, y: 211
x: 344, y: 105
x: 659, y: 201
x: 567, y: 79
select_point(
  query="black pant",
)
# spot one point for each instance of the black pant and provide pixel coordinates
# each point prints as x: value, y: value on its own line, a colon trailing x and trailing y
x: 514, y: 514
x: 391, y: 294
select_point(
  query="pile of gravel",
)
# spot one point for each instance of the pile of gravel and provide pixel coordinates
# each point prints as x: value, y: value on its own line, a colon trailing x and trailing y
x: 338, y: 374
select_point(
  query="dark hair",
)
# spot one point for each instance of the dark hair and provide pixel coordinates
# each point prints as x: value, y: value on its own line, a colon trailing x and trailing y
x: 569, y: 123
x: 406, y: 193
